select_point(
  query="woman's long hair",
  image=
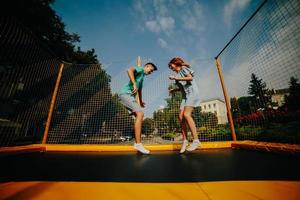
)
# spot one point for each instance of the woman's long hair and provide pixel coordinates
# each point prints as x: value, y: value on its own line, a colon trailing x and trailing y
x: 178, y: 62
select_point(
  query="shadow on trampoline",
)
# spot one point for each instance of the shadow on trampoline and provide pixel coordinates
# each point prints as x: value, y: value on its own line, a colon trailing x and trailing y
x: 199, y: 166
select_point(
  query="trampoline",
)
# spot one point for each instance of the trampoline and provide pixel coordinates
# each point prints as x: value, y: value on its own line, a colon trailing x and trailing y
x: 206, y: 165
x: 127, y: 175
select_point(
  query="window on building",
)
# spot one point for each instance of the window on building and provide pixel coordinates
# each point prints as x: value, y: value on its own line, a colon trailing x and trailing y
x: 209, y: 106
x: 204, y: 107
x: 214, y: 105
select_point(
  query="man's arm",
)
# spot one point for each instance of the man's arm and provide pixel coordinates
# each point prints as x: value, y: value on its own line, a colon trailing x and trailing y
x: 135, y: 90
x: 130, y: 73
x: 139, y: 98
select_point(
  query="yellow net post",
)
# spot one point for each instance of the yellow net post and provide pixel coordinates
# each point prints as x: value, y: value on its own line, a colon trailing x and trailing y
x: 52, y: 104
x: 226, y: 99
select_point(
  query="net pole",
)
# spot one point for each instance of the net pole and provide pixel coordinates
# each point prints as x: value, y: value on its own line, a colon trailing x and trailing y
x: 137, y: 97
x: 53, y: 99
x: 229, y: 115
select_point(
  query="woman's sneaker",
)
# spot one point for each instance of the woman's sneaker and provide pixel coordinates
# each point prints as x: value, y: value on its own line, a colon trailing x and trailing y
x: 139, y: 147
x: 194, y: 145
x: 184, y: 145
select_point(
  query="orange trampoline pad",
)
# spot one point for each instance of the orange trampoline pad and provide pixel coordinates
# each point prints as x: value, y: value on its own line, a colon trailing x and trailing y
x: 244, y: 190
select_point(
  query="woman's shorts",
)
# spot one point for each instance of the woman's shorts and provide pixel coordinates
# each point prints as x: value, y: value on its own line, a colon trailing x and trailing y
x: 130, y: 103
x: 191, y: 101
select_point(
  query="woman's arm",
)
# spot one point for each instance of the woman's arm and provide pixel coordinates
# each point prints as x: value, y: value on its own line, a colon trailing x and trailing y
x: 189, y: 77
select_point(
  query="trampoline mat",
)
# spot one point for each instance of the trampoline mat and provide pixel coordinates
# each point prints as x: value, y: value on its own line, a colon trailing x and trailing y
x: 170, y: 166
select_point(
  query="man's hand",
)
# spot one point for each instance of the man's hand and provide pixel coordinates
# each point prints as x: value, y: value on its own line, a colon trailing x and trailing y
x: 134, y: 91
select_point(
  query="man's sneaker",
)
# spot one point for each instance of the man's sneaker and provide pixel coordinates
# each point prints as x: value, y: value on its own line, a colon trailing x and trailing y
x: 194, y: 145
x: 183, y: 146
x: 141, y: 148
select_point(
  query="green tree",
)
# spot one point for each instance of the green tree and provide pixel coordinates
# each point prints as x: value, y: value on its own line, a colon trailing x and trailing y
x: 160, y: 121
x: 293, y: 99
x: 166, y: 119
x: 245, y: 105
x: 235, y: 109
x: 148, y: 126
x: 259, y: 92
x: 40, y: 18
x: 87, y: 57
x: 198, y: 116
x: 209, y: 120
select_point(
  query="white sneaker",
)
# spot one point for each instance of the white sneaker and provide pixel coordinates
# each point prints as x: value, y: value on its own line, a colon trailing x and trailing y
x: 194, y: 145
x: 183, y: 146
x: 139, y: 147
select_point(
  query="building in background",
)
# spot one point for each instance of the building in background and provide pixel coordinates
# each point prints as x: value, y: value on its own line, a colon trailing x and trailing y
x: 278, y: 96
x: 216, y: 106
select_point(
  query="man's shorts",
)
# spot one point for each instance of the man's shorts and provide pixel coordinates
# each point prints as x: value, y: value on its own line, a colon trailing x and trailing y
x: 130, y: 103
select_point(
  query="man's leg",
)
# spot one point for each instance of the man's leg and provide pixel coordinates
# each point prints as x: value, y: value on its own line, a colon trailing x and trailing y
x: 137, y: 131
x: 138, y: 126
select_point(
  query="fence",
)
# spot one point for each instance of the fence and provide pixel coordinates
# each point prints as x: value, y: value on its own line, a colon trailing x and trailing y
x: 259, y: 66
x: 261, y: 71
x: 27, y: 75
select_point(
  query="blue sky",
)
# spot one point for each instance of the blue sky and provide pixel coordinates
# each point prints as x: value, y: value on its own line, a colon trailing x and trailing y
x: 121, y: 30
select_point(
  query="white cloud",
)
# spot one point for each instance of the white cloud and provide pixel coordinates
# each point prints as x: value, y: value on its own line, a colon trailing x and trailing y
x: 194, y: 20
x: 207, y: 79
x: 180, y: 2
x: 237, y: 79
x: 139, y: 7
x: 233, y: 7
x: 162, y: 106
x: 273, y: 60
x: 160, y: 7
x: 162, y: 43
x: 164, y: 24
x: 155, y: 16
x: 153, y: 26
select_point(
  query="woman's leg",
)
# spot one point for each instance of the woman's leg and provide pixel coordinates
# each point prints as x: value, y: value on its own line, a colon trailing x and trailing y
x: 183, y: 125
x: 187, y: 113
x: 188, y: 117
x: 185, y: 142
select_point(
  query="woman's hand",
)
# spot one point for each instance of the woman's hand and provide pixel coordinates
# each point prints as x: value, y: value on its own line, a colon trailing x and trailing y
x: 143, y: 104
x: 172, y: 78
x: 172, y: 90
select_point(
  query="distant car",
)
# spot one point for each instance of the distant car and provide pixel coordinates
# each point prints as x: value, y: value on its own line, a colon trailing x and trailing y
x: 128, y: 138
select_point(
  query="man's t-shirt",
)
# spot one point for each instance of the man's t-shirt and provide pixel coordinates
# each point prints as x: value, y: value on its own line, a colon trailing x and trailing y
x: 139, y: 78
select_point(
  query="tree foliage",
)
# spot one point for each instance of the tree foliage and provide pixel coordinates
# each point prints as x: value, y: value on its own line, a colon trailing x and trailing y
x: 259, y: 91
x: 293, y: 99
x: 166, y: 119
x: 40, y: 18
